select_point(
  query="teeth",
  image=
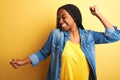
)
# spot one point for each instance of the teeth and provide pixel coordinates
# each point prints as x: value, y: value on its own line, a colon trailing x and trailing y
x: 63, y: 25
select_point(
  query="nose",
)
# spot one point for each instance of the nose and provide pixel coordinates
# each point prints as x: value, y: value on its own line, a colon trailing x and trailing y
x: 61, y: 21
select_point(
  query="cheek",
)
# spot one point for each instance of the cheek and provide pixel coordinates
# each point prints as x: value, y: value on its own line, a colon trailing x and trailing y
x: 71, y: 22
x: 68, y: 21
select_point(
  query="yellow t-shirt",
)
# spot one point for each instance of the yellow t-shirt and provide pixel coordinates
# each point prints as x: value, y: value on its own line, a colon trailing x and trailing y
x: 74, y: 63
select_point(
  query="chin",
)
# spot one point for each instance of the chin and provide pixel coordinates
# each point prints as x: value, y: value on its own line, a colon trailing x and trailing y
x: 64, y: 29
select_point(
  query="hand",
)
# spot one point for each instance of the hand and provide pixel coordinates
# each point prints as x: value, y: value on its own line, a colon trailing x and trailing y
x: 95, y: 11
x: 16, y: 63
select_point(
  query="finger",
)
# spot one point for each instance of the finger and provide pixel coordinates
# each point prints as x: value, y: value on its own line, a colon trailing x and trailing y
x: 10, y: 61
x: 15, y: 66
x: 92, y: 9
x: 13, y: 61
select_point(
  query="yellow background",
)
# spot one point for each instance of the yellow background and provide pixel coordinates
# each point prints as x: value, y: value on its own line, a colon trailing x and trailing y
x: 25, y: 25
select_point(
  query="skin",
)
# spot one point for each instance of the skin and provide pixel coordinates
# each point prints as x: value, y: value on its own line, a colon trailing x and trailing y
x: 67, y: 24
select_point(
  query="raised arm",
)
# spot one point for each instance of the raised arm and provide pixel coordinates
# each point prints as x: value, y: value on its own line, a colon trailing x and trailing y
x: 111, y: 33
x: 95, y: 11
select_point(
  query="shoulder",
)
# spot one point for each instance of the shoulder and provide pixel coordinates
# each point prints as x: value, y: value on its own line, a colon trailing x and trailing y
x: 57, y: 36
x: 56, y: 33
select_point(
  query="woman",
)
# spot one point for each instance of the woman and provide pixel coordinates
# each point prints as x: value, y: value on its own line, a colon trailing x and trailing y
x: 72, y: 48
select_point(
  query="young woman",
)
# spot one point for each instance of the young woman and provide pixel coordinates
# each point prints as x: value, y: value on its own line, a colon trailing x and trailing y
x: 72, y: 48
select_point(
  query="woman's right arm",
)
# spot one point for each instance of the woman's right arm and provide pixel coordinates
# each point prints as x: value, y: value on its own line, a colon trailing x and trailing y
x: 35, y: 58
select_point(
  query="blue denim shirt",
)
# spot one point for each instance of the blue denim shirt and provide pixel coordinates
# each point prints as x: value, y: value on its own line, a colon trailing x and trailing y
x: 54, y: 46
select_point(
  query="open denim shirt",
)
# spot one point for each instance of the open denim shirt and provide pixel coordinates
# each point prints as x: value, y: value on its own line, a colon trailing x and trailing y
x: 54, y: 46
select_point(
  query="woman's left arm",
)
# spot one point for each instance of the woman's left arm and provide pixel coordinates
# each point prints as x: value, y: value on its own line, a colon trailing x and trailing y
x: 95, y: 11
x: 111, y: 34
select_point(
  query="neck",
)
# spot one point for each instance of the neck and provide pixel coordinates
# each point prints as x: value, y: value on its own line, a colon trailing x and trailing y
x: 74, y: 35
x: 74, y: 32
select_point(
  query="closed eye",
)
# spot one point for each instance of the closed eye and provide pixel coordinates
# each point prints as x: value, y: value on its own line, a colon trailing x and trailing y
x: 64, y: 16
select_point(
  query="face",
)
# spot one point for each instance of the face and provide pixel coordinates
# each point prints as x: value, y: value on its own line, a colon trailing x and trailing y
x: 65, y: 20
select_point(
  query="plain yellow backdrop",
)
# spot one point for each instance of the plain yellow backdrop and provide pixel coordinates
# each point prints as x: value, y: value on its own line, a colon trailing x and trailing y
x: 26, y: 24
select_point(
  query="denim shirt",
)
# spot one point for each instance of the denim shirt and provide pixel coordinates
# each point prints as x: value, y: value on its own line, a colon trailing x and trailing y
x: 57, y: 39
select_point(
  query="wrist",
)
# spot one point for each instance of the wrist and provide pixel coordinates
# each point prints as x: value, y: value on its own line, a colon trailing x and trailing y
x: 99, y: 15
x: 25, y: 61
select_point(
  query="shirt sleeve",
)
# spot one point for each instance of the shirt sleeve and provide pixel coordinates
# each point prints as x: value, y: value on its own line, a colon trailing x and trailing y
x: 43, y: 53
x: 108, y: 36
x: 34, y: 59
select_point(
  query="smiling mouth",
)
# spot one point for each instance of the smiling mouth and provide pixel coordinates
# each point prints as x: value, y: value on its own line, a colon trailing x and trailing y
x: 63, y: 25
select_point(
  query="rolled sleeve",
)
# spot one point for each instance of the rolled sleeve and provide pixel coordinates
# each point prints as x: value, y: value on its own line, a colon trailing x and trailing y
x: 110, y: 35
x: 109, y: 31
x: 34, y: 59
x: 113, y: 33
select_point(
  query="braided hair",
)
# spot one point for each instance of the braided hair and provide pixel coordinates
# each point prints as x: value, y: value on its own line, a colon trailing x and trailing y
x: 75, y: 14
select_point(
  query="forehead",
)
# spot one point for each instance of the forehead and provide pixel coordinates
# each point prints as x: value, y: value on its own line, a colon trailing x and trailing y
x: 62, y: 12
